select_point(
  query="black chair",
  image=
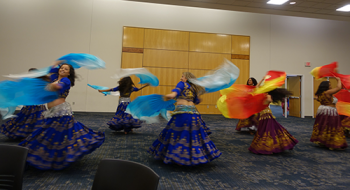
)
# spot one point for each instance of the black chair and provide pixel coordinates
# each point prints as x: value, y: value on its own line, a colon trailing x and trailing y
x: 12, y: 163
x: 115, y: 174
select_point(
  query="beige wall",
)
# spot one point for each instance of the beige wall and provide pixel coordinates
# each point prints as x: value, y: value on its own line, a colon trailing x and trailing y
x: 36, y: 32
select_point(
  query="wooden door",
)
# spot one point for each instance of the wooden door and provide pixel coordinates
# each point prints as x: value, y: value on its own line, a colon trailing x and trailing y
x: 317, y: 103
x: 293, y: 85
x: 333, y: 82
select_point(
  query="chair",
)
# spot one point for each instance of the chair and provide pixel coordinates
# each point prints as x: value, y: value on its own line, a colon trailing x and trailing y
x: 12, y: 162
x: 113, y: 174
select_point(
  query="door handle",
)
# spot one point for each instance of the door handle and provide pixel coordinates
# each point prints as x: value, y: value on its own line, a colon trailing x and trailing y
x: 296, y: 97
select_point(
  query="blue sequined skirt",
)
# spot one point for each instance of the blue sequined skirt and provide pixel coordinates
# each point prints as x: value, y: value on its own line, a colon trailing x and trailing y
x: 184, y: 140
x: 122, y: 120
x: 61, y: 140
x: 27, y: 120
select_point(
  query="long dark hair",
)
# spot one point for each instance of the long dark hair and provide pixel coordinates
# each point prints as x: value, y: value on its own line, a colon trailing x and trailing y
x: 279, y: 94
x: 125, y: 85
x: 198, y: 90
x: 72, y: 75
x: 253, y: 80
x: 324, y: 86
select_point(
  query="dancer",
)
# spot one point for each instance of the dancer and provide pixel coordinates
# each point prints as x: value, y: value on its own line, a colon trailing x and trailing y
x: 271, y: 136
x: 25, y: 122
x: 61, y: 140
x: 252, y: 122
x: 122, y: 120
x: 345, y: 122
x: 327, y: 129
x: 184, y: 140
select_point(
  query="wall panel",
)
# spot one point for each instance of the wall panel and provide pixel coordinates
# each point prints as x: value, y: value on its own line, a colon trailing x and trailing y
x: 131, y: 60
x: 166, y: 39
x: 214, y: 43
x: 243, y: 66
x: 168, y: 53
x: 199, y: 60
x: 167, y: 76
x: 241, y: 45
x: 207, y: 109
x: 165, y: 58
x: 157, y: 90
x: 133, y: 37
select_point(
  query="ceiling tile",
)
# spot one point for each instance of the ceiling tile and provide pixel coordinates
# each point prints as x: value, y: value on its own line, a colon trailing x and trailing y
x: 310, y: 10
x: 206, y: 1
x: 307, y: 4
x: 298, y: 9
x: 225, y: 2
x: 240, y: 3
x: 321, y: 5
x: 324, y: 12
x: 256, y: 5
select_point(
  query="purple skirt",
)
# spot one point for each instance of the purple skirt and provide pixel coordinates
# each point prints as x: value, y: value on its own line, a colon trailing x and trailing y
x: 328, y: 130
x: 271, y: 136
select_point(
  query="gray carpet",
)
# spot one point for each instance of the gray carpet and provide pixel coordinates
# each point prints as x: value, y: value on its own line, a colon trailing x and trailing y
x: 306, y: 167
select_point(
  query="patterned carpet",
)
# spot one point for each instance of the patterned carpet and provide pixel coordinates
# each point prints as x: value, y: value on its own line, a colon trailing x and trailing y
x: 306, y: 167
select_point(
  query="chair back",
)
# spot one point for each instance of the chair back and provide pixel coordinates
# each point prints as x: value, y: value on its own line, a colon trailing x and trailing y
x: 12, y: 163
x: 113, y: 174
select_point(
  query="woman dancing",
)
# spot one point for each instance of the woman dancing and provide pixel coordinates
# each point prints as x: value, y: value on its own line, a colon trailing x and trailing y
x: 184, y: 140
x: 122, y: 120
x: 252, y: 122
x: 271, y: 136
x: 328, y: 131
x: 25, y: 122
x: 61, y: 140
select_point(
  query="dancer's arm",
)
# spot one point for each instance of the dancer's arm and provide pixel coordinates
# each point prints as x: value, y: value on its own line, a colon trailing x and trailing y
x: 64, y: 84
x: 137, y: 89
x: 336, y: 89
x: 260, y: 82
x: 109, y: 90
x: 178, y: 89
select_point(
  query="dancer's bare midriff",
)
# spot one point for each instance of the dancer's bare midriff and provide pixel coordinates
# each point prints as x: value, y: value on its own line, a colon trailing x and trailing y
x: 184, y: 102
x: 56, y: 102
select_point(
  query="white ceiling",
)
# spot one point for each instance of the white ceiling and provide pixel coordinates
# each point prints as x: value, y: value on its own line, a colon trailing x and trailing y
x: 325, y: 9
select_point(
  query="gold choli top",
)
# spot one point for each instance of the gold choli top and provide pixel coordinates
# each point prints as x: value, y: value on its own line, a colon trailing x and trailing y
x: 324, y: 100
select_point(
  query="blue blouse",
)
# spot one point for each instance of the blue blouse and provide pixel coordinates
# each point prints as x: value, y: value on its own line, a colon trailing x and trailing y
x: 184, y: 91
x: 127, y: 94
x: 64, y: 83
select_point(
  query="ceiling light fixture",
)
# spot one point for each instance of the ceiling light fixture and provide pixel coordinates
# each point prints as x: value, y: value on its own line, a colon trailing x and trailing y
x: 277, y: 2
x: 292, y: 3
x: 346, y: 8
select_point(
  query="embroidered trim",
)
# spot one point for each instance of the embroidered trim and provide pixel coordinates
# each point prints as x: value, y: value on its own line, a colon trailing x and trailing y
x: 60, y: 110
x: 327, y: 110
x: 124, y: 99
x: 180, y: 109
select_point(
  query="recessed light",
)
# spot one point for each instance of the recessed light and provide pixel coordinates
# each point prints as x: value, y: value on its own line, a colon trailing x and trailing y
x: 292, y: 3
x: 277, y: 2
x: 346, y: 8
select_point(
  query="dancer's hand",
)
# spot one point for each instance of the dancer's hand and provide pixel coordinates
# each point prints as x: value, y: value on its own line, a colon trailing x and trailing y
x: 57, y: 62
x: 170, y: 96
